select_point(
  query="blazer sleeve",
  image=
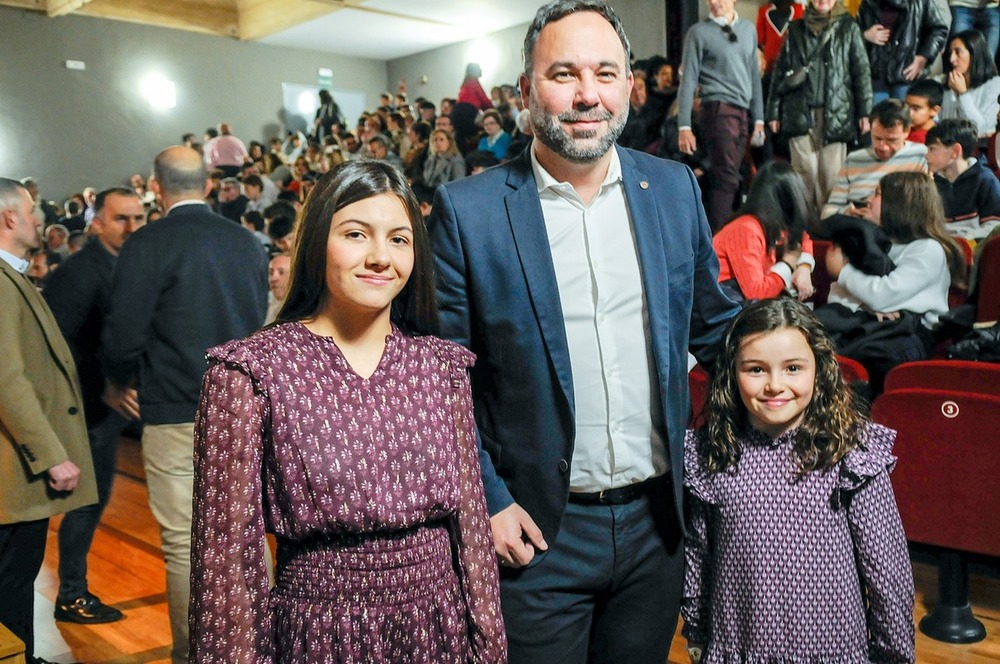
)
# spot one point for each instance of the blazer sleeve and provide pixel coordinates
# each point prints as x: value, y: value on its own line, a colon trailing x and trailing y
x: 711, y: 308
x: 21, y: 412
x: 455, y: 321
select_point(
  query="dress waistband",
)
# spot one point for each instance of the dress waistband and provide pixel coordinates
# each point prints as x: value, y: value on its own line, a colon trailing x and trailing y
x: 388, y: 567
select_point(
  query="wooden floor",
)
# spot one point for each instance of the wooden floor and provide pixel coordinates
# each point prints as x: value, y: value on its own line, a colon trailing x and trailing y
x: 126, y: 570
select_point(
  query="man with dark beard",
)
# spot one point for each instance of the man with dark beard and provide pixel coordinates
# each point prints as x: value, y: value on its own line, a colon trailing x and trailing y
x: 580, y: 274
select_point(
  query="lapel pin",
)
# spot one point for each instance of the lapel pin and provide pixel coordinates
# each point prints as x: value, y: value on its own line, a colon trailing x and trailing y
x: 643, y: 184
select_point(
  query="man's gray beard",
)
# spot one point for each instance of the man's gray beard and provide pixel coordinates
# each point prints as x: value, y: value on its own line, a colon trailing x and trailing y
x: 548, y: 129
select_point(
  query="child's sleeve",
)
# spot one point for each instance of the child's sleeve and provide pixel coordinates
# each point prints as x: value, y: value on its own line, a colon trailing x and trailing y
x: 697, y: 576
x: 880, y: 546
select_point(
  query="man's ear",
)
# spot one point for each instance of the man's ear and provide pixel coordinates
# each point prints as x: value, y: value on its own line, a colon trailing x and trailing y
x: 956, y: 151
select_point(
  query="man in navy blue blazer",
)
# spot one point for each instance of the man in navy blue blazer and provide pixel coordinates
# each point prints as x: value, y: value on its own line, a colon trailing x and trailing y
x: 580, y: 274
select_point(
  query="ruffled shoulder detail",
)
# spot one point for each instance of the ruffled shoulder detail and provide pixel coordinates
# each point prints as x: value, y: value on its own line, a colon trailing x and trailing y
x: 455, y: 355
x: 696, y: 475
x: 871, y: 457
x: 254, y: 354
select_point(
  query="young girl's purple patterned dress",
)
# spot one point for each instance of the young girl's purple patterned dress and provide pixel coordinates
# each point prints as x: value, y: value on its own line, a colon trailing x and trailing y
x: 809, y: 570
x: 372, y: 488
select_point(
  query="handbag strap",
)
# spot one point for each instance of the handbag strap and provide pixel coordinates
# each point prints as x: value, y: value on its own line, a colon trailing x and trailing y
x: 827, y: 35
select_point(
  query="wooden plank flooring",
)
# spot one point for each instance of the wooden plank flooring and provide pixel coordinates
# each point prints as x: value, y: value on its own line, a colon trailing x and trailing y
x: 126, y: 570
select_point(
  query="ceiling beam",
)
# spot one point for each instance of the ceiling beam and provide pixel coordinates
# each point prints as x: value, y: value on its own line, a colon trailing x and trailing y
x: 359, y: 5
x: 261, y: 18
x: 217, y: 17
x: 63, y: 7
x: 38, y: 5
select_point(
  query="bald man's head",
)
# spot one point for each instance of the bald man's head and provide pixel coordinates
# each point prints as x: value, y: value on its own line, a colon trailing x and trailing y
x: 180, y: 173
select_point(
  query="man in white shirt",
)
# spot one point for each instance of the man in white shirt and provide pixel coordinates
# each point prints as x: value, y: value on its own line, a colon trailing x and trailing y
x: 580, y: 274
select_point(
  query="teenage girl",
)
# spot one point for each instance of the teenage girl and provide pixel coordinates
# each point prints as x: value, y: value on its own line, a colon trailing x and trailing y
x: 795, y: 549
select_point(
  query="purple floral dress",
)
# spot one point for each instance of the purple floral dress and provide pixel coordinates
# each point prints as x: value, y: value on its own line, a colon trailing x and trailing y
x: 813, y: 570
x: 372, y: 488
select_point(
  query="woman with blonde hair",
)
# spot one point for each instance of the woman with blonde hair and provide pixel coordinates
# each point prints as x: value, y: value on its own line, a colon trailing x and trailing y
x: 444, y: 163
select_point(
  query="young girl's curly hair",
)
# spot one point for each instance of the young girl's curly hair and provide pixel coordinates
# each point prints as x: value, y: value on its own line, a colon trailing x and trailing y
x: 832, y: 419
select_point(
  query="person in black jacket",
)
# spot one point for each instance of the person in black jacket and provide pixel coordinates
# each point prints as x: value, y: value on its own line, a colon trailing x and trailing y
x: 79, y: 294
x: 821, y: 117
x: 191, y: 281
x: 904, y: 37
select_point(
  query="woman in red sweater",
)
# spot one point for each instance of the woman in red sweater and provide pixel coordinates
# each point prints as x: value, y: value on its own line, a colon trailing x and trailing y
x: 765, y: 250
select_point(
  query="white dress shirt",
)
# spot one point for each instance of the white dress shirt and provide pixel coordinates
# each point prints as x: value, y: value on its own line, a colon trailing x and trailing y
x: 619, y: 420
x: 19, y: 264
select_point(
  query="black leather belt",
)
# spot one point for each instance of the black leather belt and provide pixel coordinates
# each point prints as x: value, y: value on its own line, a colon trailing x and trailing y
x: 618, y: 496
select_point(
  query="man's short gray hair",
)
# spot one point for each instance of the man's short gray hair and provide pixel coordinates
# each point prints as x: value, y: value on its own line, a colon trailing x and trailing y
x: 10, y: 194
x: 558, y: 9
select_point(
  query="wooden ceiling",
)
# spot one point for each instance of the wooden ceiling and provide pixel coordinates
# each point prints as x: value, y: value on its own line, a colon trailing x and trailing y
x: 239, y: 19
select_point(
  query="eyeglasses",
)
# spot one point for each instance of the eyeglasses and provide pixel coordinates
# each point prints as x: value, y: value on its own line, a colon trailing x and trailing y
x: 728, y: 29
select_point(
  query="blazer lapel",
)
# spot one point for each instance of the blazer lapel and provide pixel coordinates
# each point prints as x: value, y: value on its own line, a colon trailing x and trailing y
x: 524, y: 212
x: 650, y: 244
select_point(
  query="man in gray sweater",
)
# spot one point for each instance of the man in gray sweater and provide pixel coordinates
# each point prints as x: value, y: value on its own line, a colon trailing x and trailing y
x: 720, y: 56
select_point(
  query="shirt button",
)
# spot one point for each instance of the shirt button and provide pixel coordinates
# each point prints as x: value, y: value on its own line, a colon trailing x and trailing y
x: 563, y: 465
x: 73, y: 410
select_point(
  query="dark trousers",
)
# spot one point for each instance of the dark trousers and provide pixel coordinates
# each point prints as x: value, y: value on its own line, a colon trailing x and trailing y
x: 22, y: 549
x: 608, y: 590
x: 77, y: 529
x: 725, y: 132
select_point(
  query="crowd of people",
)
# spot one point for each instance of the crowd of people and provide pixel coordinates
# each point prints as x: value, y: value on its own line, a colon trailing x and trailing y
x: 525, y: 500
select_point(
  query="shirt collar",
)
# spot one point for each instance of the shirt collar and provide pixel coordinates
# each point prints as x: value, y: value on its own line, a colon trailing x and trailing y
x: 721, y: 20
x: 544, y: 180
x: 15, y: 262
x: 188, y: 201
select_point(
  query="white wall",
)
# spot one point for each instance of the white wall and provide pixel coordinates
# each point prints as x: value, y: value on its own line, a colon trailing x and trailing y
x: 499, y: 53
x: 71, y: 129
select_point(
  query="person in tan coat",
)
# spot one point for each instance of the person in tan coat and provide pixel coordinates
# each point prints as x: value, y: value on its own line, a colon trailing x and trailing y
x: 45, y: 462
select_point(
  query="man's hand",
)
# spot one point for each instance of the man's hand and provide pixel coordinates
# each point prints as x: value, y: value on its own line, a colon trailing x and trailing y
x: 125, y: 400
x: 835, y: 261
x: 686, y: 141
x: 877, y: 34
x: 915, y: 68
x: 865, y: 125
x: 515, y: 536
x: 64, y: 476
x: 775, y: 126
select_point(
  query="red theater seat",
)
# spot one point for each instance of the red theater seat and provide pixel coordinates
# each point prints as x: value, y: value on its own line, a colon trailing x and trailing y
x: 947, y: 490
x: 988, y: 282
x: 958, y: 375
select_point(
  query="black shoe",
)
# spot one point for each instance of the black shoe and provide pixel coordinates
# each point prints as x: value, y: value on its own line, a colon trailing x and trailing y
x: 86, y: 610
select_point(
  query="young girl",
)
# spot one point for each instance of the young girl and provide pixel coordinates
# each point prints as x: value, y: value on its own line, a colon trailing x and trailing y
x: 765, y: 249
x: 927, y: 262
x: 795, y: 549
x: 346, y: 431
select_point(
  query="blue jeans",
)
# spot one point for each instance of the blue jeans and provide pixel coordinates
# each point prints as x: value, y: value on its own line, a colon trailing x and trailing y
x: 986, y: 20
x: 882, y: 91
x: 76, y: 531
